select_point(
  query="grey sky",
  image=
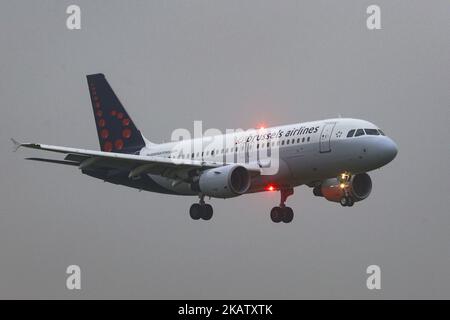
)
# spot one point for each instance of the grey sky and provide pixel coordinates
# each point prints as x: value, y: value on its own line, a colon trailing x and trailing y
x: 232, y: 64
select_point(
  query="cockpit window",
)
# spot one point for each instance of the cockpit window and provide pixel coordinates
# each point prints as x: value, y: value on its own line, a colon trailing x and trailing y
x: 350, y: 133
x: 359, y: 132
x: 372, y: 132
x: 381, y: 132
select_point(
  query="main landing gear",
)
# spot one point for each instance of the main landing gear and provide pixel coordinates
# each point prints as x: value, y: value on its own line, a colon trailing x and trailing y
x: 283, y: 213
x: 201, y: 210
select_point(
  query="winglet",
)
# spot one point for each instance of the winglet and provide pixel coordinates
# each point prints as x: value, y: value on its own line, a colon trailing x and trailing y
x: 17, y: 145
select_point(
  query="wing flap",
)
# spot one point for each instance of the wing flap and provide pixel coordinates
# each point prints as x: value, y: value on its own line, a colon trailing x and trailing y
x: 75, y: 157
x: 70, y: 163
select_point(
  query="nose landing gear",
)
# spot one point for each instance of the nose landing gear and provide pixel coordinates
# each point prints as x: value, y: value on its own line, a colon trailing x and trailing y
x: 347, y: 200
x: 201, y: 210
x: 283, y: 213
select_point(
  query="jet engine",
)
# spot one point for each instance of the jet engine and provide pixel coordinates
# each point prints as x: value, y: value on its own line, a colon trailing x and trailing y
x: 224, y: 182
x: 358, y: 187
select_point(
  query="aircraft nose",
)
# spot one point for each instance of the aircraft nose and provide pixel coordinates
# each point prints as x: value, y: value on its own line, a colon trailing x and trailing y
x: 388, y: 150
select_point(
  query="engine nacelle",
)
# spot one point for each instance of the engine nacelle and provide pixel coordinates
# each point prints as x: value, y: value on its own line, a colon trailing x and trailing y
x: 225, y: 182
x: 359, y: 187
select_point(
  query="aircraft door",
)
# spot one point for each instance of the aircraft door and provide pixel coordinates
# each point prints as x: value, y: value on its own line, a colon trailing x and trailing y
x: 325, y: 137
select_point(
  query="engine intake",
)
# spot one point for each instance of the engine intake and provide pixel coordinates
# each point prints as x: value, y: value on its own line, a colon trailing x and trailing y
x: 359, y: 187
x: 225, y: 182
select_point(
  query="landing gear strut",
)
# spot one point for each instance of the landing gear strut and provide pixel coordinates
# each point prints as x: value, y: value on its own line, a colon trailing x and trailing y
x: 283, y: 213
x: 201, y: 210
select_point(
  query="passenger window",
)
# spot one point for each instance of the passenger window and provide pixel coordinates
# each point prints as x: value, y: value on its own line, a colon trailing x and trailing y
x: 282, y: 143
x: 359, y: 132
x: 287, y: 142
x: 372, y: 132
x: 303, y: 139
x: 293, y: 141
x: 309, y: 138
x: 350, y: 133
x: 298, y: 140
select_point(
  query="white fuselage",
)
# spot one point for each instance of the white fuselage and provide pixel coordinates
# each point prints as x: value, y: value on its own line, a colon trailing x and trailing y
x: 307, y: 152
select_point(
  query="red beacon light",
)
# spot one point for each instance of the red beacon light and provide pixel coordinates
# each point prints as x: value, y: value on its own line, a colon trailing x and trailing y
x: 270, y: 187
x: 261, y: 126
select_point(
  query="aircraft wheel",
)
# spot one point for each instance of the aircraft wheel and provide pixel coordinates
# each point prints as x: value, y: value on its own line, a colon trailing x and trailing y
x: 350, y: 201
x: 288, y: 214
x: 207, y: 211
x: 344, y: 201
x: 195, y: 211
x: 276, y: 214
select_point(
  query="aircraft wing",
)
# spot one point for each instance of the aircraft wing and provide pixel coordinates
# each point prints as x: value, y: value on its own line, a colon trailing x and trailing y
x: 135, y: 164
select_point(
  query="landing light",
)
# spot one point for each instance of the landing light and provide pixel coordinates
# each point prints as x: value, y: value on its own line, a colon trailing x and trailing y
x: 344, y: 177
x: 342, y: 185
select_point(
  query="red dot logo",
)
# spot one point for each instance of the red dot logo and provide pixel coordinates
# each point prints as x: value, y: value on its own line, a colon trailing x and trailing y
x: 120, y: 115
x: 99, y: 113
x: 107, y: 146
x: 97, y: 104
x: 96, y: 98
x: 101, y: 123
x: 126, y: 121
x: 104, y: 133
x: 126, y: 133
x: 113, y: 112
x: 118, y: 144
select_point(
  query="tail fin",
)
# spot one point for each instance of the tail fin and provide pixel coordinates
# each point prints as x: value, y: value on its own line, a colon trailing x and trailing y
x: 116, y: 131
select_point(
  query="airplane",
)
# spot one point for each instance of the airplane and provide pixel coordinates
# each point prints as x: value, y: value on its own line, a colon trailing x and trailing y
x: 330, y: 156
